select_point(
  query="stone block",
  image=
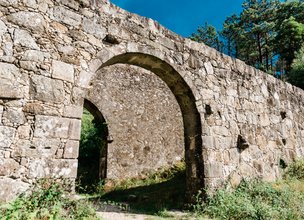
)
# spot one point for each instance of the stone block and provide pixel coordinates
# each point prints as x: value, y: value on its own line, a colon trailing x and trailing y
x: 23, y: 38
x: 66, y: 16
x: 7, y: 135
x: 31, y: 20
x: 71, y: 150
x: 10, y: 188
x: 63, y: 71
x: 13, y: 117
x: 8, y: 166
x: 73, y: 111
x: 35, y: 55
x: 24, y: 131
x: 213, y: 170
x: 3, y: 28
x: 56, y: 127
x: 84, y: 79
x: 47, y: 89
x: 9, y: 85
x: 92, y: 26
x: 53, y: 168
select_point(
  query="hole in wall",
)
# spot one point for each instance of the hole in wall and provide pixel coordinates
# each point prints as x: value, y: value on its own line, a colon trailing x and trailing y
x: 208, y: 110
x: 282, y: 164
x: 283, y: 115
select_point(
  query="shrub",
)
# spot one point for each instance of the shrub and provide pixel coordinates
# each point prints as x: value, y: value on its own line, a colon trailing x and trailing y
x: 253, y: 200
x: 47, y: 201
x: 295, y: 170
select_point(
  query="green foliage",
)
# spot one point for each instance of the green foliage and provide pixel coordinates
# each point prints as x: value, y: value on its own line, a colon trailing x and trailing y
x: 266, y: 34
x: 92, y: 145
x: 254, y: 200
x: 47, y: 201
x: 296, y: 75
x: 208, y: 35
x: 295, y: 170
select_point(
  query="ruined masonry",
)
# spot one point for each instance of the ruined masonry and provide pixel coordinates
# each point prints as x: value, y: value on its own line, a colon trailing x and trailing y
x: 163, y: 97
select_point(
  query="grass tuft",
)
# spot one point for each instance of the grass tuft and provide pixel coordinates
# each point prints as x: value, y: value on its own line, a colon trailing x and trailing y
x: 47, y: 201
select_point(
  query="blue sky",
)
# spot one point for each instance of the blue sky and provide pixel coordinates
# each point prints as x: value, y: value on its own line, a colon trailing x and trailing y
x: 183, y: 16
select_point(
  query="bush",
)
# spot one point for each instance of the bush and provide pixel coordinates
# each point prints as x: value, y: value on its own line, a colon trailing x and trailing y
x: 253, y: 200
x: 47, y: 201
x: 295, y: 170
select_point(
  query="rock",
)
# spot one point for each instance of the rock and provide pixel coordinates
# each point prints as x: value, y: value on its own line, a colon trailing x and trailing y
x: 63, y: 71
x: 47, y: 89
x: 71, y: 150
x: 55, y: 127
x: 9, y: 85
x: 13, y: 186
x: 23, y: 38
x: 31, y: 20
x: 7, y: 135
x: 66, y: 16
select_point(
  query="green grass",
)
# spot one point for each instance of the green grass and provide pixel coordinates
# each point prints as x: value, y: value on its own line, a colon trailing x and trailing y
x: 253, y: 199
x: 47, y: 201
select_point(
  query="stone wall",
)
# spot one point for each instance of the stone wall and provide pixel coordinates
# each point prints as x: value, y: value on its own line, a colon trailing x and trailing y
x: 238, y: 122
x: 143, y: 118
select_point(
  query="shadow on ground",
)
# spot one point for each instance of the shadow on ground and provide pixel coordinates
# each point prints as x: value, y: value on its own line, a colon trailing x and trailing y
x: 151, y: 199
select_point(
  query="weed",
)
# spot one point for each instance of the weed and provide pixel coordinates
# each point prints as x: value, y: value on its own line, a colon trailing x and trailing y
x: 295, y: 170
x: 47, y: 201
x: 254, y: 200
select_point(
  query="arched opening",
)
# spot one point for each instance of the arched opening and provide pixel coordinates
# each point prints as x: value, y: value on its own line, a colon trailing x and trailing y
x: 92, y: 160
x: 190, y: 114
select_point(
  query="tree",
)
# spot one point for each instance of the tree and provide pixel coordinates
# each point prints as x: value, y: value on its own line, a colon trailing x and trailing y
x: 289, y: 39
x: 208, y: 35
x: 296, y: 75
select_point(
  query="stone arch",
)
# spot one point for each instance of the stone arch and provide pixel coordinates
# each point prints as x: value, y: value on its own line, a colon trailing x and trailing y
x: 190, y: 113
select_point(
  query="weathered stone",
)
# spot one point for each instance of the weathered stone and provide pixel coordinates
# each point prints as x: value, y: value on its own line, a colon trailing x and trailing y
x: 31, y: 20
x: 66, y: 16
x: 71, y: 150
x: 213, y: 170
x: 24, y: 131
x: 23, y: 38
x: 47, y: 89
x: 9, y: 74
x: 3, y: 28
x: 73, y: 111
x: 13, y: 117
x: 7, y: 135
x: 8, y: 166
x: 63, y: 71
x: 34, y: 55
x: 55, y: 127
x: 13, y: 186
x: 54, y: 168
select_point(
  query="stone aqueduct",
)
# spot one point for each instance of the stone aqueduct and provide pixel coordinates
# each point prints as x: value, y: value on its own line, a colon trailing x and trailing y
x: 57, y: 55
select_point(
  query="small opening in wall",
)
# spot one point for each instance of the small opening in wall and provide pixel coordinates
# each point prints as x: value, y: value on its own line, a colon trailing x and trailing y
x: 208, y: 110
x: 282, y: 164
x: 283, y: 115
x: 284, y: 141
x: 110, y: 39
x: 242, y: 143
